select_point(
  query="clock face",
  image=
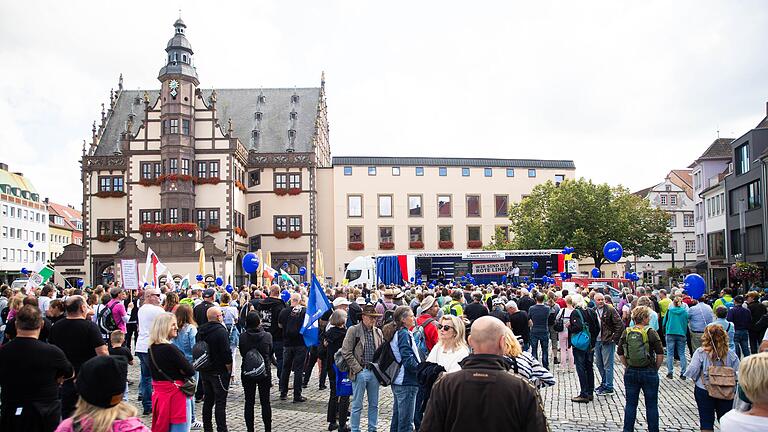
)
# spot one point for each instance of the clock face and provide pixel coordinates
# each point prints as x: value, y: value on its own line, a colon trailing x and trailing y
x: 173, y: 85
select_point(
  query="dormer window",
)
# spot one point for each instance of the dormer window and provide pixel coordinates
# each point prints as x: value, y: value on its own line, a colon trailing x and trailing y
x: 184, y: 58
x: 295, y: 98
x: 291, y: 134
x: 294, y: 115
x: 255, y: 134
x: 257, y: 115
x: 262, y: 99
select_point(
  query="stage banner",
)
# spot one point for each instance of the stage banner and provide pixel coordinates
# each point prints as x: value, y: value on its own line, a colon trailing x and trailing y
x: 489, y: 268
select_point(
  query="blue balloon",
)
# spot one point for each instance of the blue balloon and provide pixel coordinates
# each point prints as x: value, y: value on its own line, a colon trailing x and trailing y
x: 199, y: 278
x: 695, y: 285
x: 80, y: 283
x: 412, y: 279
x: 228, y: 288
x: 250, y: 263
x: 30, y: 245
x: 285, y: 296
x: 503, y: 278
x: 525, y: 279
x: 418, y: 281
x: 145, y: 284
x: 302, y: 270
x: 285, y: 265
x: 219, y: 281
x: 595, y: 272
x: 24, y: 270
x: 531, y: 285
x: 613, y: 251
x: 549, y: 273
x: 535, y: 265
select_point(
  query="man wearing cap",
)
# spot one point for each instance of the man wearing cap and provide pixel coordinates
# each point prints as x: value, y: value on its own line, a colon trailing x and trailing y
x: 148, y: 312
x: 360, y: 343
x: 201, y: 311
x: 32, y: 371
x: 80, y: 339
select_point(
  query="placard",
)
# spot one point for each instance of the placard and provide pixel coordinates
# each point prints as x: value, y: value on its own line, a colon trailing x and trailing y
x: 129, y: 274
x: 486, y: 268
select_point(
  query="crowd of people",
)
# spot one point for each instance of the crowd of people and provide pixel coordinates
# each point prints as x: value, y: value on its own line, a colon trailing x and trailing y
x: 443, y: 351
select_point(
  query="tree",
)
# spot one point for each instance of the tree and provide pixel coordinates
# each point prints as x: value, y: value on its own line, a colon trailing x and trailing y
x: 585, y: 215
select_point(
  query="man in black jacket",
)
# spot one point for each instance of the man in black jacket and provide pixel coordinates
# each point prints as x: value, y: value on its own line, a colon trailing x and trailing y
x: 254, y: 337
x: 269, y: 311
x: 215, y: 378
x: 290, y: 320
x: 484, y: 385
x: 200, y: 311
x: 584, y: 359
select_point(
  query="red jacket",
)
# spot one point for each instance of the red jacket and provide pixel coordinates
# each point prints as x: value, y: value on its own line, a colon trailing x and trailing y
x: 169, y: 405
x: 430, y: 331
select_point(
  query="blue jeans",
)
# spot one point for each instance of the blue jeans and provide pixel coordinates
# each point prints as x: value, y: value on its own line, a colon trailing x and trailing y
x: 145, y: 383
x: 676, y: 344
x: 604, y: 352
x: 403, y: 408
x: 647, y: 380
x: 741, y: 340
x: 584, y: 362
x: 364, y: 382
x: 708, y: 407
x: 277, y: 348
x: 184, y: 427
x: 540, y: 338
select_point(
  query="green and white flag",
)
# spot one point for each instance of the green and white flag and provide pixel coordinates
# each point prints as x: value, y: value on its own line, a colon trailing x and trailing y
x: 40, y: 277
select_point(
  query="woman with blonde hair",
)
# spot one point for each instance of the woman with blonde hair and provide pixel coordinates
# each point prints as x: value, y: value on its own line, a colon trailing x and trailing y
x: 171, y: 408
x: 451, y: 347
x: 184, y: 341
x: 523, y: 363
x: 100, y: 383
x: 753, y: 380
x: 712, y: 352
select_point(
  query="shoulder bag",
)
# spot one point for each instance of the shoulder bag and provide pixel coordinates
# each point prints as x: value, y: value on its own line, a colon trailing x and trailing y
x: 189, y: 386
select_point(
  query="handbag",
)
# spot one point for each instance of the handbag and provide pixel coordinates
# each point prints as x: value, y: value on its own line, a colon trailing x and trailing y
x: 581, y: 340
x: 188, y: 387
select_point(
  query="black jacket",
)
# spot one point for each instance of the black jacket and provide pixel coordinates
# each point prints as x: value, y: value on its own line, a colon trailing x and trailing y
x: 269, y: 309
x: 260, y: 340
x: 496, y: 399
x: 217, y: 338
x: 334, y: 337
x: 200, y: 312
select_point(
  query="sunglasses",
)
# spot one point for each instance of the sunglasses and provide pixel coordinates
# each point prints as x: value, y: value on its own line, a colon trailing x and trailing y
x: 444, y: 327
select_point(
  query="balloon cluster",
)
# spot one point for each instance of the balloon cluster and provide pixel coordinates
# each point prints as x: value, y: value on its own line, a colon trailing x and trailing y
x: 631, y: 276
x: 565, y: 276
x: 568, y: 250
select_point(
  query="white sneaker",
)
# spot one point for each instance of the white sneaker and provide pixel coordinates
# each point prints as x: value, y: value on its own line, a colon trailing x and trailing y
x: 197, y: 424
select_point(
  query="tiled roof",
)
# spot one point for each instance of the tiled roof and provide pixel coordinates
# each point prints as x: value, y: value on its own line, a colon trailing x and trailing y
x: 720, y: 149
x: 462, y: 162
x: 643, y: 192
x: 684, y: 175
x: 241, y: 106
x: 67, y: 213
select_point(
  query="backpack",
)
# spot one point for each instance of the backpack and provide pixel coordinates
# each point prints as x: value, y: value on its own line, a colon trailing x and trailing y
x: 721, y: 383
x: 559, y: 322
x: 727, y: 304
x: 389, y: 315
x: 420, y: 336
x: 106, y: 320
x: 201, y: 358
x: 581, y: 339
x: 253, y: 365
x: 637, y: 349
x: 384, y: 365
x: 340, y: 362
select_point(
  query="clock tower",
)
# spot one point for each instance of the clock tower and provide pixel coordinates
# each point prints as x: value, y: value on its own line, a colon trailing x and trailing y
x: 179, y: 83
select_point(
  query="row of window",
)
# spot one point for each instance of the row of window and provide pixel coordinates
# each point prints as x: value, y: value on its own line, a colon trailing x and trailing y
x: 690, y: 246
x: 416, y: 233
x: 670, y: 198
x: 443, y: 172
x: 204, y: 217
x: 22, y: 256
x: 60, y: 239
x: 415, y: 205
x: 20, y: 234
x: 171, y: 127
x: 687, y: 219
x: 152, y: 170
x: 749, y: 196
x: 23, y: 214
x: 716, y: 205
x: 111, y: 184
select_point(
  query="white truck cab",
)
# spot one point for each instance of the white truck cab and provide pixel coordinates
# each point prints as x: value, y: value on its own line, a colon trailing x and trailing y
x: 361, y: 270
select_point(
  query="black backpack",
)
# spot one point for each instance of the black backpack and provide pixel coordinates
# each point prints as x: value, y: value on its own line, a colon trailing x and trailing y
x: 106, y: 320
x: 201, y: 357
x: 253, y: 365
x: 389, y: 314
x: 384, y: 366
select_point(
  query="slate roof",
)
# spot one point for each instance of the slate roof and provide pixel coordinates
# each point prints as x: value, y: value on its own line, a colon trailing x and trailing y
x: 240, y: 105
x: 643, y: 192
x: 720, y: 149
x: 462, y: 162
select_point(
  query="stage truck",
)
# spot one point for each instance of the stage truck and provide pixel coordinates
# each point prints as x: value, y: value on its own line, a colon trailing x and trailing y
x: 448, y: 266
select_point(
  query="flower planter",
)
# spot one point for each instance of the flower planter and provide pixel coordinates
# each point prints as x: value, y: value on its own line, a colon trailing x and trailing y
x: 280, y: 234
x: 104, y: 194
x: 240, y: 186
x: 168, y: 228
x: 294, y: 234
x: 474, y: 244
x: 281, y: 191
x: 445, y: 244
x: 387, y: 245
x: 106, y: 238
x: 416, y: 245
x: 213, y: 229
x: 356, y: 246
x: 294, y: 191
x: 241, y: 232
x: 150, y: 182
x: 207, y: 180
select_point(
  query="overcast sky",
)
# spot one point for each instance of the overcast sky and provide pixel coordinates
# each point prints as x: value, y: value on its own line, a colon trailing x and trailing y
x: 629, y: 90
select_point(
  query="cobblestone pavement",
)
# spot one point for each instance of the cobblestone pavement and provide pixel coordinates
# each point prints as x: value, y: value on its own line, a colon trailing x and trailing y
x: 677, y: 408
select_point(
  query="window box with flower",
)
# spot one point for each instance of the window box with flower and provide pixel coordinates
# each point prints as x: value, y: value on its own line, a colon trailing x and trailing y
x: 474, y: 244
x: 241, y: 232
x: 281, y: 191
x: 207, y: 180
x: 386, y: 245
x: 105, y: 238
x: 240, y: 185
x: 416, y: 245
x: 294, y: 234
x: 356, y: 246
x: 445, y: 244
x: 294, y: 191
x: 280, y: 234
x: 110, y: 194
x: 213, y: 229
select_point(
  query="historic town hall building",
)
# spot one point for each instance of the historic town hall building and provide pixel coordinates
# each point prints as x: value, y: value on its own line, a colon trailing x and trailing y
x: 240, y: 170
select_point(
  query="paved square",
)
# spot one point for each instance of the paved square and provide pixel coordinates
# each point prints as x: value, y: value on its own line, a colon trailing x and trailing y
x: 677, y: 408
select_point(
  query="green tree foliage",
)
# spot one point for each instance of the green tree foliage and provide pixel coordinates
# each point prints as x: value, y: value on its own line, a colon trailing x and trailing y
x: 585, y: 215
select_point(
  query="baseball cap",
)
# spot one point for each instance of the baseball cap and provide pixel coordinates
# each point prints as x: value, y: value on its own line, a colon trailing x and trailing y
x: 209, y: 292
x: 340, y: 301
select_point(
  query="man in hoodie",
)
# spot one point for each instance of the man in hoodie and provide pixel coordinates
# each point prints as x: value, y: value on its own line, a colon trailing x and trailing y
x: 269, y: 311
x: 215, y: 378
x: 200, y: 311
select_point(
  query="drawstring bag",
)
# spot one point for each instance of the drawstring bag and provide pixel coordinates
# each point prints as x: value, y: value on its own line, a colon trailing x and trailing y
x: 343, y: 383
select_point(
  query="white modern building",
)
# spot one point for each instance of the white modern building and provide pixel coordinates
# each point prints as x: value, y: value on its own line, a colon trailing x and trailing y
x: 23, y: 221
x: 714, y: 216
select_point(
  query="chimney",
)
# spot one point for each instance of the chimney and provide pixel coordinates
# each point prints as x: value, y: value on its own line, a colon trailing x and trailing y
x: 3, y: 166
x: 20, y: 174
x: 46, y: 200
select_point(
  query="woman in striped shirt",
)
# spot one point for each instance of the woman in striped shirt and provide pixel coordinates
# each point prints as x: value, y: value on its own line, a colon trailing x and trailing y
x: 522, y: 363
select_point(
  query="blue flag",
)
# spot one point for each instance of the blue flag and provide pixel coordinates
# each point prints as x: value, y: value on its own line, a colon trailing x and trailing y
x: 317, y: 305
